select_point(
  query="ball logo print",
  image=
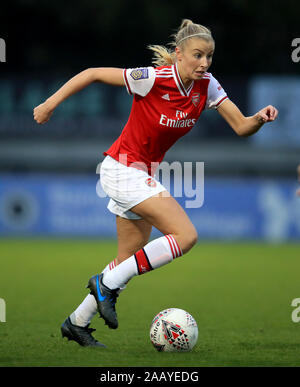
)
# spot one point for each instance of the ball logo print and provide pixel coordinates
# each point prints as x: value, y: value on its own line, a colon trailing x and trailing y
x: 175, y: 335
x: 173, y: 330
x: 2, y: 310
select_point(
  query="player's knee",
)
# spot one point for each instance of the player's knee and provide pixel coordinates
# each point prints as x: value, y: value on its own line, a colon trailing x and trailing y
x: 188, y: 239
x: 191, y: 240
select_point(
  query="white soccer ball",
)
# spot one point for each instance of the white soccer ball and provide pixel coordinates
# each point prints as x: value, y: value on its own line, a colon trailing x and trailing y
x: 173, y: 330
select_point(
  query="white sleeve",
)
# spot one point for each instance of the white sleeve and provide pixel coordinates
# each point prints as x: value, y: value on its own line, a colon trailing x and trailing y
x: 139, y: 80
x: 216, y: 95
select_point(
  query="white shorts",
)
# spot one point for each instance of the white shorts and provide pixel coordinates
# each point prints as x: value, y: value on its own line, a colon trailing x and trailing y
x: 126, y: 187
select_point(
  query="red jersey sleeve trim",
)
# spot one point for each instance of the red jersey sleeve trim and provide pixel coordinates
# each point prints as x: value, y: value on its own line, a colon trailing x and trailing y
x: 221, y: 101
x: 126, y: 82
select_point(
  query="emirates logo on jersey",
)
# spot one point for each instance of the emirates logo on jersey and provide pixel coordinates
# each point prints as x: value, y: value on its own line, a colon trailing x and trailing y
x: 196, y: 98
x: 150, y: 182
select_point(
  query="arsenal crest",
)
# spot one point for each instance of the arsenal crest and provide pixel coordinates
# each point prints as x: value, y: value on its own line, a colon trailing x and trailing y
x: 196, y: 98
x: 150, y: 182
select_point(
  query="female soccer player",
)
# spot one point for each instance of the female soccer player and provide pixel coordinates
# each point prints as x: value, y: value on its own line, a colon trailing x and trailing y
x: 168, y: 99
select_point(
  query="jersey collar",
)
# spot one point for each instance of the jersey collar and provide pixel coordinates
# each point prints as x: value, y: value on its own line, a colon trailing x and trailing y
x: 183, y: 91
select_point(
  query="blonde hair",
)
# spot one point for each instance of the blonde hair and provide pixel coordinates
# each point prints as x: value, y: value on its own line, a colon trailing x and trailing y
x: 163, y: 56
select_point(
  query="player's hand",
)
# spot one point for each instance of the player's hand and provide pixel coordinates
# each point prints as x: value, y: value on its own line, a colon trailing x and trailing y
x: 267, y: 114
x: 42, y: 113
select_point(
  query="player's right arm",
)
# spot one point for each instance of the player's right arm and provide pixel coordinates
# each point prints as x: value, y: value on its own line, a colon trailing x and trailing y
x: 109, y: 75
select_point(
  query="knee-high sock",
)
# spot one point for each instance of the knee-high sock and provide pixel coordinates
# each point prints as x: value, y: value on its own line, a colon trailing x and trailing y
x: 155, y: 254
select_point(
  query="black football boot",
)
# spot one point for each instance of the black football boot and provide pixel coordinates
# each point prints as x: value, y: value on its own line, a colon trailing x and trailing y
x: 106, y: 299
x: 82, y: 335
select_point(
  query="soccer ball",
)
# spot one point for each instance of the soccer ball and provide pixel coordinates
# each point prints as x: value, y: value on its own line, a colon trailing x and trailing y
x: 173, y: 330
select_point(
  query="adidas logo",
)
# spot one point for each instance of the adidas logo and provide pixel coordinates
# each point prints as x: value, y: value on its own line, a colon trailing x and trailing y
x: 166, y: 97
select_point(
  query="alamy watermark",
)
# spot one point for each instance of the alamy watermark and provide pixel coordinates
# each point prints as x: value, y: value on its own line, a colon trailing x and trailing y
x: 2, y: 310
x: 296, y: 51
x: 296, y: 312
x: 181, y: 180
x: 2, y: 50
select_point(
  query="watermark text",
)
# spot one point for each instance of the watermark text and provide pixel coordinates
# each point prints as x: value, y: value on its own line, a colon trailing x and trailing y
x: 296, y: 51
x: 296, y: 312
x: 2, y: 310
x: 2, y: 50
x: 181, y: 180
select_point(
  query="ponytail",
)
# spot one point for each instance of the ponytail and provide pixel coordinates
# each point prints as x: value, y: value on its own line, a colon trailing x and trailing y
x: 163, y: 56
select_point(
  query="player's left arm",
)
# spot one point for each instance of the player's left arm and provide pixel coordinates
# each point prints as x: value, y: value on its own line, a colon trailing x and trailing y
x: 246, y: 126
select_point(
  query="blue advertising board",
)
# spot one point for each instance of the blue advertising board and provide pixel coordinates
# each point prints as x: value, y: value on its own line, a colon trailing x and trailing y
x: 69, y: 206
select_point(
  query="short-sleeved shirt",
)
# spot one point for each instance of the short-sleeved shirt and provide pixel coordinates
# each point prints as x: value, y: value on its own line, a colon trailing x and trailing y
x: 162, y: 112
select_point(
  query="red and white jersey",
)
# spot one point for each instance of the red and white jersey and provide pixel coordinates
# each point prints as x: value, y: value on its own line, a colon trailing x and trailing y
x: 162, y: 112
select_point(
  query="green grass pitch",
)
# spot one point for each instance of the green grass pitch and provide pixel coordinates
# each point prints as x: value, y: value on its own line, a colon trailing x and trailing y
x: 239, y: 293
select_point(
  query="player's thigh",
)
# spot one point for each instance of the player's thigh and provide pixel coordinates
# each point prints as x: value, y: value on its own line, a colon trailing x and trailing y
x: 165, y: 213
x: 133, y: 234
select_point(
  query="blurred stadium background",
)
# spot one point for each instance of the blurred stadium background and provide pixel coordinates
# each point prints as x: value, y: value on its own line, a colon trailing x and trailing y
x: 48, y: 173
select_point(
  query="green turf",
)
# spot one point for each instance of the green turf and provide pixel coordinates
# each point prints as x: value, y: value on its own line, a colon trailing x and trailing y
x: 239, y: 294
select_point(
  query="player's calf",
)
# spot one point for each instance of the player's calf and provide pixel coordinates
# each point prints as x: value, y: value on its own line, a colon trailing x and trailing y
x: 155, y: 254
